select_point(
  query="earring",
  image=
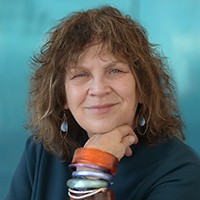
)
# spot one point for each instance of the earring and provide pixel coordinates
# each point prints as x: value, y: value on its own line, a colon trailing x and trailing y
x: 64, y: 125
x: 142, y: 126
x: 142, y: 121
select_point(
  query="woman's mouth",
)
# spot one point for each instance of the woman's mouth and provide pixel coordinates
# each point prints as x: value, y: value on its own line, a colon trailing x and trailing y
x: 101, y: 108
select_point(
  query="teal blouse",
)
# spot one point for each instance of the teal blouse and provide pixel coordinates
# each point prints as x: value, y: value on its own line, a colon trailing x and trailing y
x: 168, y: 171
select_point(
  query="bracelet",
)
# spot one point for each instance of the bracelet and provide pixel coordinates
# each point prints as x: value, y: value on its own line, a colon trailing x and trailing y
x: 72, y: 166
x: 82, y: 194
x: 97, y: 157
x: 99, y: 175
x: 86, y: 184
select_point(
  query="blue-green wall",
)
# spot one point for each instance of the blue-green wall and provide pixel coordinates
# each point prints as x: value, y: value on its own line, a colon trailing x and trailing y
x: 176, y: 26
x: 173, y: 24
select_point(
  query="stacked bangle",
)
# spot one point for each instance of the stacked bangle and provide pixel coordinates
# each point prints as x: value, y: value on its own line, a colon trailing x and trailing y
x: 99, y: 175
x: 93, y: 172
x: 73, y: 167
x: 100, y: 194
x: 96, y: 156
x: 86, y: 183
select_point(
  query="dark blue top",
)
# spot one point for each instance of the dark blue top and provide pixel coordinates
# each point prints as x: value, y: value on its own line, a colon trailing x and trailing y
x: 169, y: 171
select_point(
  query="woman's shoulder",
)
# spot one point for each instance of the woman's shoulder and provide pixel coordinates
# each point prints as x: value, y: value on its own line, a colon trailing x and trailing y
x: 32, y: 154
x: 179, y: 162
x: 181, y: 151
x: 33, y: 147
x: 178, y: 154
x: 35, y: 152
x: 170, y: 166
x: 175, y: 149
x: 179, y: 170
x: 171, y: 156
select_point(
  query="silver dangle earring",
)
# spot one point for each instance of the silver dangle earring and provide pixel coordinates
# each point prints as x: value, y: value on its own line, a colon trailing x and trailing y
x: 142, y: 121
x: 64, y: 125
x: 142, y: 126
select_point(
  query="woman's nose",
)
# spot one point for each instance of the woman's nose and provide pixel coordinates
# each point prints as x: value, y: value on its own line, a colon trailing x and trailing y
x: 99, y: 87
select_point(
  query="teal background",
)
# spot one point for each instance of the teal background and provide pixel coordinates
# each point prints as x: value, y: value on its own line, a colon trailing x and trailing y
x: 175, y: 25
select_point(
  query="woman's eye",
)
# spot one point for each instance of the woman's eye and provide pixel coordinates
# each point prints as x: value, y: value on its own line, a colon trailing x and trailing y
x: 79, y: 75
x: 114, y: 71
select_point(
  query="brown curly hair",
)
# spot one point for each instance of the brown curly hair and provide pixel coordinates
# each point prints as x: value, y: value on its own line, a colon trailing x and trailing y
x: 125, y: 39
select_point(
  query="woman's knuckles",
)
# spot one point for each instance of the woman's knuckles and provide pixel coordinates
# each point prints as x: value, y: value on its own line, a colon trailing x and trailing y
x: 116, y: 142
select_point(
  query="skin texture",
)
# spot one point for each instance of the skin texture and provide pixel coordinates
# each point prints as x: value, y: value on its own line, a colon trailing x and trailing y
x: 101, y: 95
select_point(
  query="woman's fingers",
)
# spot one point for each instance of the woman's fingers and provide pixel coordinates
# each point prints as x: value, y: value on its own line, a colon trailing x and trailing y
x: 116, y: 142
x: 127, y: 141
x: 122, y: 131
x: 128, y: 152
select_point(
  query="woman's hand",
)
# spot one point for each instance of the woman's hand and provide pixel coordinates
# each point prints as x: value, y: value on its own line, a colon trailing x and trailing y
x: 116, y: 142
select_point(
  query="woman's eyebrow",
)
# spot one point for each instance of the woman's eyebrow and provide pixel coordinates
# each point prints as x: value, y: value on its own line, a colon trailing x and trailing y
x: 76, y: 68
x: 113, y: 63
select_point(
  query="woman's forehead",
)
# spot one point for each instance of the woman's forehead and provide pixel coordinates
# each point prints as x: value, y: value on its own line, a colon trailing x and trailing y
x: 95, y: 48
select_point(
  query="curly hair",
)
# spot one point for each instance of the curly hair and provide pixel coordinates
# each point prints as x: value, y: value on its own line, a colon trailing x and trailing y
x: 125, y: 39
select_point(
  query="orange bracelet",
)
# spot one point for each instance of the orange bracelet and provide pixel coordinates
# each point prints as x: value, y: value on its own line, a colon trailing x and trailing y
x: 97, y: 157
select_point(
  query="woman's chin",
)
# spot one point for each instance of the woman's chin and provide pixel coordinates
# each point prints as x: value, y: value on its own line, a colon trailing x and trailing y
x: 100, y: 129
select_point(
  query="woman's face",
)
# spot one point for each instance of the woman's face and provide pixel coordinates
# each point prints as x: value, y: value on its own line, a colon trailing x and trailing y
x: 101, y: 92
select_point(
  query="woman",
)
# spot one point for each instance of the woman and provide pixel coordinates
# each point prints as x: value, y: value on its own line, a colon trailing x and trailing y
x: 101, y: 92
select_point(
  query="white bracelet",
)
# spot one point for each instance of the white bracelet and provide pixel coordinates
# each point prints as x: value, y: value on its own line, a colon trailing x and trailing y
x: 85, y: 194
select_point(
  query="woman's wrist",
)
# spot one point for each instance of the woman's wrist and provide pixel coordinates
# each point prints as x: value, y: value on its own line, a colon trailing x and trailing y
x: 96, y: 157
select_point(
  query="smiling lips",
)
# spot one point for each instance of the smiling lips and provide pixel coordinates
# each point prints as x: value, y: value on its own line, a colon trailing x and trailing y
x: 101, y: 108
